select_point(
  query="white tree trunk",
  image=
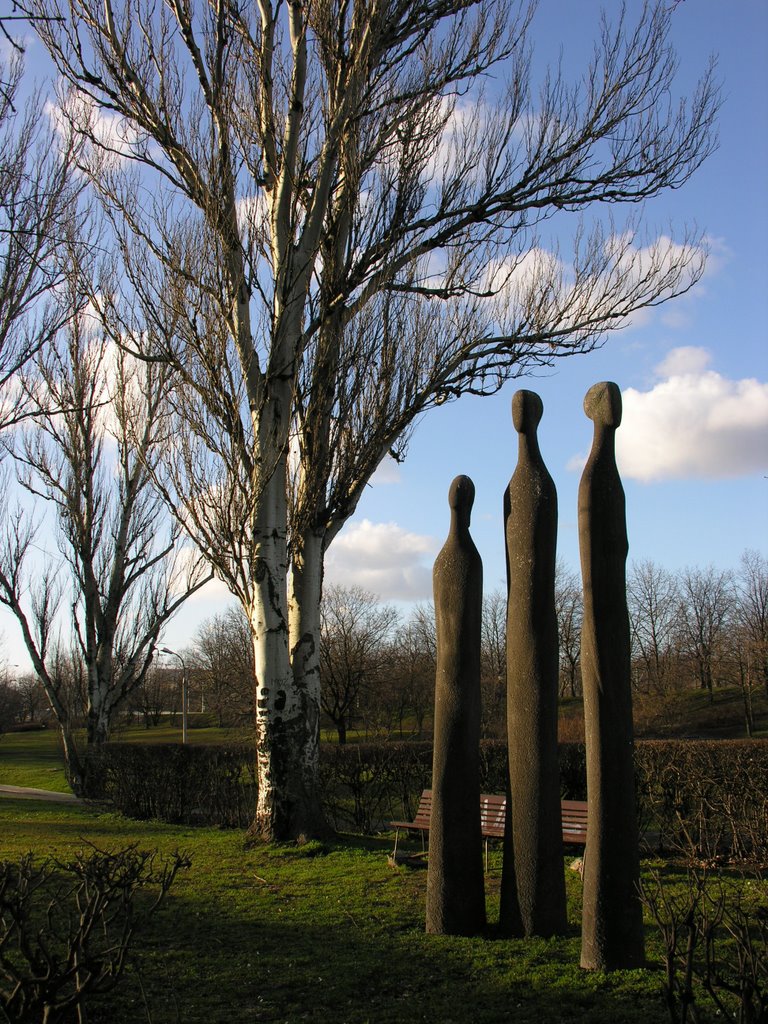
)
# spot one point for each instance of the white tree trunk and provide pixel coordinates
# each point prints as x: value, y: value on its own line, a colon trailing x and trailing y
x: 99, y: 719
x: 286, y: 736
x: 305, y: 592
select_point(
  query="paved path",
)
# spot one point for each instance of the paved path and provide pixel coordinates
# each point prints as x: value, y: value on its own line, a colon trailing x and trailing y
x: 26, y: 793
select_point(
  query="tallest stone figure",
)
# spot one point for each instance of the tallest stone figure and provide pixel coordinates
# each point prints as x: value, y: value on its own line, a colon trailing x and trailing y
x: 612, y: 922
x: 533, y: 882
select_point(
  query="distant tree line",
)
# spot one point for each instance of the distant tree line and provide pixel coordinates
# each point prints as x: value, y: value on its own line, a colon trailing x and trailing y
x: 698, y: 628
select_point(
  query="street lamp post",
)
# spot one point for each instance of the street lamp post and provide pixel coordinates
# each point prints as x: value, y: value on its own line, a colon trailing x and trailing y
x: 175, y: 654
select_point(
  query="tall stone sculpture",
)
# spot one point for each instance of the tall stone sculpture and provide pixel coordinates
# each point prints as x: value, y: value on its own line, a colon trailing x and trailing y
x: 455, y: 889
x: 533, y: 883
x: 612, y: 925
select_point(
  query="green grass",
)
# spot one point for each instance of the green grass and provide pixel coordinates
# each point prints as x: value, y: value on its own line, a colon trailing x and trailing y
x: 684, y: 714
x: 324, y: 932
x: 170, y: 732
x: 691, y: 713
x: 32, y: 759
x: 35, y: 759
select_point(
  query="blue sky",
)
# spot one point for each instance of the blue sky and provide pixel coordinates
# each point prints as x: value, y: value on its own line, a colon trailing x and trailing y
x: 693, y: 446
x: 694, y: 373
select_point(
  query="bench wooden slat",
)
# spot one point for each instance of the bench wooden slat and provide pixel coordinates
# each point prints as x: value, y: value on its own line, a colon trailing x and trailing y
x: 493, y: 810
x: 423, y: 812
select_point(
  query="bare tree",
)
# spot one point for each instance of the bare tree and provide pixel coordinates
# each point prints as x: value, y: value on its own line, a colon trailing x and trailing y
x: 752, y: 589
x: 493, y: 665
x: 11, y: 710
x: 705, y: 612
x: 354, y: 635
x: 410, y: 687
x: 157, y: 694
x: 38, y: 211
x: 92, y: 907
x: 222, y: 662
x: 338, y: 229
x: 98, y: 419
x: 32, y: 698
x: 653, y: 597
x: 569, y: 607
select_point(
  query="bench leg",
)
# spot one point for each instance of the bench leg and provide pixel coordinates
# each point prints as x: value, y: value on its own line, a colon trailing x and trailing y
x: 397, y: 836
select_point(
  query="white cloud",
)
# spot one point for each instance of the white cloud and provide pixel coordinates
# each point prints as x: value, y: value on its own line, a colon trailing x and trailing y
x: 114, y: 136
x: 7, y: 50
x: 515, y: 278
x: 577, y: 462
x: 384, y: 559
x: 11, y: 398
x: 462, y: 121
x: 719, y: 254
x: 253, y: 215
x: 602, y: 281
x: 694, y: 423
x: 388, y: 472
x: 671, y: 265
x: 676, y: 319
x: 215, y: 592
x: 684, y: 361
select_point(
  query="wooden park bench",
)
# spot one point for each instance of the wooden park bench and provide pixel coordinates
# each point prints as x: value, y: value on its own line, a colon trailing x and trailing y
x: 493, y: 812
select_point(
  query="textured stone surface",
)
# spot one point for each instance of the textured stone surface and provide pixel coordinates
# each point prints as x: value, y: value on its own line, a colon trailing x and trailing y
x: 533, y: 883
x: 612, y: 927
x: 455, y: 886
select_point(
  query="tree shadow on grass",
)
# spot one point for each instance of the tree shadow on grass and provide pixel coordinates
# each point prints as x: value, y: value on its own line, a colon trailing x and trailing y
x: 267, y: 952
x: 327, y: 932
x: 232, y: 970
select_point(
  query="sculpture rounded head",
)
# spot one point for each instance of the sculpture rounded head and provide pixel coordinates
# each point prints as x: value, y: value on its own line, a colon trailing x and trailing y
x: 602, y: 404
x: 461, y: 495
x: 527, y: 410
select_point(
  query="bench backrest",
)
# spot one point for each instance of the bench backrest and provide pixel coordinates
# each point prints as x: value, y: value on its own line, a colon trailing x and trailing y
x: 424, y: 810
x: 493, y: 810
x: 574, y: 814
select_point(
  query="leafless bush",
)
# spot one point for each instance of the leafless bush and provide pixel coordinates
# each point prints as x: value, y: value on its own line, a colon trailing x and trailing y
x: 708, y: 800
x: 66, y: 927
x: 715, y: 945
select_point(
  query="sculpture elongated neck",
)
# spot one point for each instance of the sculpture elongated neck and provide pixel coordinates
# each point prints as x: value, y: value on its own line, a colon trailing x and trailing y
x: 528, y: 450
x: 461, y: 498
x: 602, y: 405
x: 527, y: 410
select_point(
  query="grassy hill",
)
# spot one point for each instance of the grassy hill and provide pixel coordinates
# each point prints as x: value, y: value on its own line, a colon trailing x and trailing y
x: 689, y: 714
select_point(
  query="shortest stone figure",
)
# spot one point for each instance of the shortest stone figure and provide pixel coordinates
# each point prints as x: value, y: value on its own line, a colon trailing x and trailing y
x: 455, y: 888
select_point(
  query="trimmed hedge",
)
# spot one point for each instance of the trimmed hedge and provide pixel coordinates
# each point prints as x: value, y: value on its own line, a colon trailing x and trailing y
x: 174, y: 783
x: 703, y: 798
x: 367, y: 785
x: 706, y: 798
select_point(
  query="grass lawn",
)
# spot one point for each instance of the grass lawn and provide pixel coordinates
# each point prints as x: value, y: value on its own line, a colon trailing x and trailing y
x: 322, y: 933
x: 169, y: 731
x: 32, y: 759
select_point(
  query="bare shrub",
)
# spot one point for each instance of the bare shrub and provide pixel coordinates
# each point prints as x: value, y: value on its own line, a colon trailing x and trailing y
x: 714, y: 935
x: 66, y: 927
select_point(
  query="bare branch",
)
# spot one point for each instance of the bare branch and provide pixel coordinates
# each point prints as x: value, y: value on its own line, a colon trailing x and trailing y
x: 331, y: 217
